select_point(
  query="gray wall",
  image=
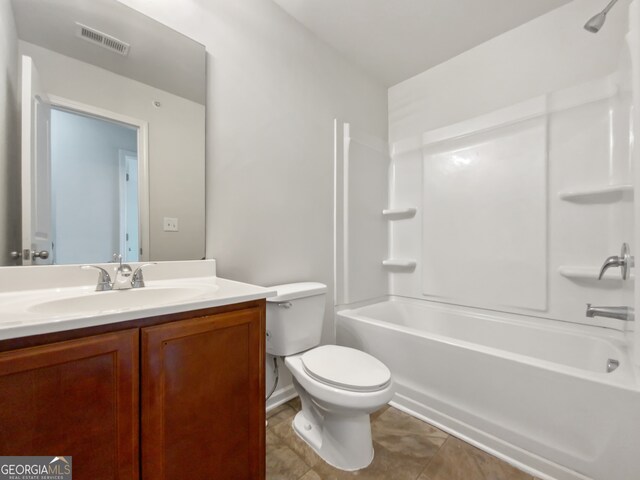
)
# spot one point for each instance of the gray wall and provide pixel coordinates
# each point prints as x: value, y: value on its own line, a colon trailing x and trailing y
x: 273, y: 92
x: 9, y: 137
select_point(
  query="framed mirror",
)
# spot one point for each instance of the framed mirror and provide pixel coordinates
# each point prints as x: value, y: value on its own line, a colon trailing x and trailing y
x: 109, y: 107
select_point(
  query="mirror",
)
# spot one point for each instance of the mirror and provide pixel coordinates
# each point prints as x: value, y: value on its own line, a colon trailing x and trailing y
x: 110, y: 105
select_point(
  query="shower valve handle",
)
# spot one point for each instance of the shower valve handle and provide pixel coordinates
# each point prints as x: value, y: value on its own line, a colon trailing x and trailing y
x: 625, y: 260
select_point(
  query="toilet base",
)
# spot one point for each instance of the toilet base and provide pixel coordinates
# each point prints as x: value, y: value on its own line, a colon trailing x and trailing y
x: 343, y: 441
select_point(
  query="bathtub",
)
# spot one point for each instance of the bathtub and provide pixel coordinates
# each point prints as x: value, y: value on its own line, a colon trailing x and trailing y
x: 534, y: 392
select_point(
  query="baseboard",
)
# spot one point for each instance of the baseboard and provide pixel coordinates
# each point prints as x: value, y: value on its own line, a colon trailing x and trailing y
x: 519, y: 458
x: 280, y: 396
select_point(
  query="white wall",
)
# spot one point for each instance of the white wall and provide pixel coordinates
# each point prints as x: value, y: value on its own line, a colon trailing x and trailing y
x: 85, y: 170
x: 176, y: 170
x: 9, y: 137
x: 362, y: 193
x: 549, y: 53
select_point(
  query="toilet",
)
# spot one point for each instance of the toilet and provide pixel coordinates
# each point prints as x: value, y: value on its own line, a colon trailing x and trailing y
x: 338, y: 386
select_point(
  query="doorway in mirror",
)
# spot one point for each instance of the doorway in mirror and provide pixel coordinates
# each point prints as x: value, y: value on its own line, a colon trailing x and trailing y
x: 94, y: 188
x: 129, y: 217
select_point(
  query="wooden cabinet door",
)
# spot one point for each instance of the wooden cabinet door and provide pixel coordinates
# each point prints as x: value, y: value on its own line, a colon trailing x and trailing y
x: 77, y: 398
x: 203, y: 398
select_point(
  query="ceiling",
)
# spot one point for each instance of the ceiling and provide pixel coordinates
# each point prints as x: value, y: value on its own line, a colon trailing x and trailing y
x: 397, y: 39
x: 158, y: 56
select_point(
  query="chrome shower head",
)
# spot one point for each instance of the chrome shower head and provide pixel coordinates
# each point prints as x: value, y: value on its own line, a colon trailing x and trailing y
x: 595, y: 23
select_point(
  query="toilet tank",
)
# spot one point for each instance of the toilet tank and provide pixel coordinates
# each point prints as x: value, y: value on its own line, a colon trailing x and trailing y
x: 294, y: 317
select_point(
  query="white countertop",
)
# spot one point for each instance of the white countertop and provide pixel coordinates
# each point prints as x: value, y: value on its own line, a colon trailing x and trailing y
x: 64, y: 301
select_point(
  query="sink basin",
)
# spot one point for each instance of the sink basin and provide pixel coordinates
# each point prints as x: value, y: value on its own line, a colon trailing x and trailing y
x: 43, y: 300
x: 119, y: 300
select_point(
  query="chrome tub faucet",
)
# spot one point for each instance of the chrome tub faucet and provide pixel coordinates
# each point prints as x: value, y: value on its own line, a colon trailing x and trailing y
x: 619, y: 313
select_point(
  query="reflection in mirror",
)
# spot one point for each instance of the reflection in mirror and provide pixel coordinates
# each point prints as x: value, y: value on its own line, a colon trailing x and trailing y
x: 89, y: 224
x: 111, y: 108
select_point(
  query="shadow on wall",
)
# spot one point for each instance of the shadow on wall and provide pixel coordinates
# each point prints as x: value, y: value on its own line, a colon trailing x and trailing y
x: 10, y: 176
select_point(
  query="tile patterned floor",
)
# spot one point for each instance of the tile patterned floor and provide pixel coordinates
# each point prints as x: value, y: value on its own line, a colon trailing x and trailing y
x: 405, y: 449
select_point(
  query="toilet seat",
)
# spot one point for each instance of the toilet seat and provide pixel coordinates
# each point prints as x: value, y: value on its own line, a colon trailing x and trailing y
x: 345, y: 368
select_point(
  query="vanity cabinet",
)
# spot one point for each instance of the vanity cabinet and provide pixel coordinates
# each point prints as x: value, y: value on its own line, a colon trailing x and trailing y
x: 169, y: 397
x: 202, y: 410
x: 79, y: 398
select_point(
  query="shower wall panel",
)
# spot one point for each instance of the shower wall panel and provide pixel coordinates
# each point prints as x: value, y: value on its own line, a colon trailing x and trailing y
x: 485, y: 206
x: 518, y: 208
x: 361, y: 193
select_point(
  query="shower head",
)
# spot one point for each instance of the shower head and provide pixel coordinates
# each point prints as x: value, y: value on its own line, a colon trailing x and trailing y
x: 595, y: 23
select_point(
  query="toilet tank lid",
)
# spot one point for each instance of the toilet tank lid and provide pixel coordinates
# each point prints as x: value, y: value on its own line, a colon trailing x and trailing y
x: 292, y: 291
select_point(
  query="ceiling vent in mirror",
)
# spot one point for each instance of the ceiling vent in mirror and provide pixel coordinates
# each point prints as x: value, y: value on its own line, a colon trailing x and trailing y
x: 99, y: 38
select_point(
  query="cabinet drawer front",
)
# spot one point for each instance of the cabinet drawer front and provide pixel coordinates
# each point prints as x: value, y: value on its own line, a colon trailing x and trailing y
x: 76, y: 398
x: 203, y: 397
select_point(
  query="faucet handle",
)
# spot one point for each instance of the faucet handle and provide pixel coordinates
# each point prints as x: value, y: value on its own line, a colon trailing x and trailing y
x: 612, y: 261
x: 137, y: 280
x: 104, y: 279
x: 625, y: 260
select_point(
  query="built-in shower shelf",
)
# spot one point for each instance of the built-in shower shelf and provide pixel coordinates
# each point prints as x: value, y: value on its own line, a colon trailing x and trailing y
x: 605, y: 194
x: 399, y: 213
x: 590, y: 273
x: 399, y: 263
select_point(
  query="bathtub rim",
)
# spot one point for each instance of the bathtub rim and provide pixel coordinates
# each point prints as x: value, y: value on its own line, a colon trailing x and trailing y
x: 534, y: 321
x: 624, y: 377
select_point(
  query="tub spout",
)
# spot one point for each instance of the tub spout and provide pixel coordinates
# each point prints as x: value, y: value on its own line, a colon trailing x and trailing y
x: 619, y: 313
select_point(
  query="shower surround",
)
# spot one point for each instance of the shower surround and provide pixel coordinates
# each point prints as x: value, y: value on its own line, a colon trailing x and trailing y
x: 510, y: 180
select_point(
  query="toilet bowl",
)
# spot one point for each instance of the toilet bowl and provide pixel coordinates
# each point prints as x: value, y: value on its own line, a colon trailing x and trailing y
x: 334, y: 419
x: 338, y: 386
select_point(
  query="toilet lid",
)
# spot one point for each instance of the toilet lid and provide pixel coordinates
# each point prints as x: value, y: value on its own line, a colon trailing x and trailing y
x: 346, y: 368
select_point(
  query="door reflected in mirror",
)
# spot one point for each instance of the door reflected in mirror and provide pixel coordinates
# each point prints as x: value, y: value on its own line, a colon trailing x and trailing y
x: 91, y: 223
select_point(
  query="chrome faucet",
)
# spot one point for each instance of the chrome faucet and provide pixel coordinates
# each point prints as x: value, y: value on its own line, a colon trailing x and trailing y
x: 625, y: 260
x: 125, y: 278
x: 104, y: 279
x: 137, y: 280
x: 619, y: 313
x: 122, y: 279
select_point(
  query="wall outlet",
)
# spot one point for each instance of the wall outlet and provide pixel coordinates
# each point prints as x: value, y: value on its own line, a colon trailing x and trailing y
x: 170, y: 224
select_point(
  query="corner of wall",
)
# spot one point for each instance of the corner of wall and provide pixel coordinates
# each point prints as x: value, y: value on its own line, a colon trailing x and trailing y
x: 10, y: 220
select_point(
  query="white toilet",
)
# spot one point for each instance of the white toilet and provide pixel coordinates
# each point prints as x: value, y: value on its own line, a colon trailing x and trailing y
x: 338, y: 386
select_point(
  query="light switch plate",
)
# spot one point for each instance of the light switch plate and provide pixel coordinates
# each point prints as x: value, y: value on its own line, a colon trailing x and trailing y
x: 170, y: 224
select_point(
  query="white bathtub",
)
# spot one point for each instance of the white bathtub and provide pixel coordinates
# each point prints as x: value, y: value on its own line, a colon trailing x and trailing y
x: 532, y: 391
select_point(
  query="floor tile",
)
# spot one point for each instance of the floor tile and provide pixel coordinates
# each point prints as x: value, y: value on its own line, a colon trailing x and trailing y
x: 282, y: 462
x: 458, y: 460
x: 291, y: 439
x: 386, y: 464
x: 311, y: 475
x: 402, y: 433
x: 379, y: 412
x: 283, y: 413
x: 277, y: 410
x: 405, y: 449
x: 295, y: 404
